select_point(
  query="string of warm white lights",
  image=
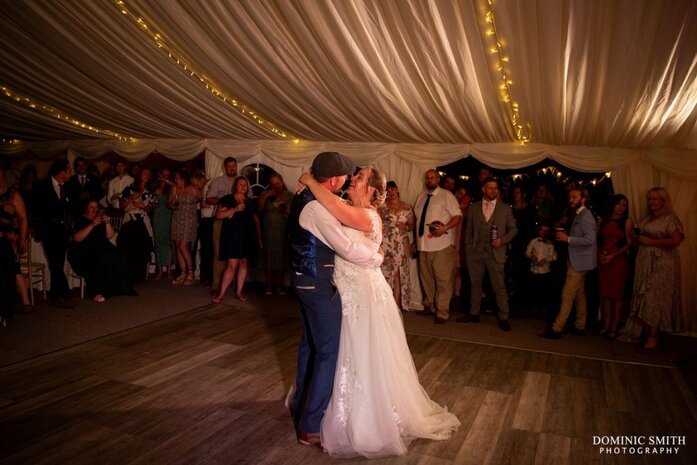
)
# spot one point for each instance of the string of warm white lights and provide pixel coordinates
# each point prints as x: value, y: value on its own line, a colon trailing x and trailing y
x: 52, y: 111
x: 185, y: 65
x: 505, y: 76
x: 551, y: 170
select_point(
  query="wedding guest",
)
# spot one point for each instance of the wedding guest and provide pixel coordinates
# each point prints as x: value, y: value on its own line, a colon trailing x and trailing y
x: 220, y: 187
x: 448, y: 183
x: 240, y: 237
x: 12, y: 206
x: 614, y: 241
x: 540, y: 251
x: 161, y: 223
x: 95, y: 258
x: 437, y: 210
x: 397, y: 224
x: 582, y: 258
x: 136, y: 235
x: 184, y: 199
x: 273, y: 205
x: 543, y: 203
x: 52, y: 227
x: 81, y: 188
x: 118, y: 184
x: 490, y: 227
x: 657, y: 280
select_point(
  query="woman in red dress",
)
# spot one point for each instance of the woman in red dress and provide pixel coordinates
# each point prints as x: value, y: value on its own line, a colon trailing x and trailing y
x: 614, y: 241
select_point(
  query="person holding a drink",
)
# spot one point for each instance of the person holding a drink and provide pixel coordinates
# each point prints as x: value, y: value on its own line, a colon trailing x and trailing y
x: 582, y: 258
x: 95, y: 258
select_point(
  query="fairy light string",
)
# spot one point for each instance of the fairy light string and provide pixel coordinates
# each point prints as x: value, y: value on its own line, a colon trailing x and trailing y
x: 58, y: 114
x: 496, y: 49
x: 185, y: 66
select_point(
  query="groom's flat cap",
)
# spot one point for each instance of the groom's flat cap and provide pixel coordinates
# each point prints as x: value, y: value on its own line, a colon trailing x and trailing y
x: 329, y: 164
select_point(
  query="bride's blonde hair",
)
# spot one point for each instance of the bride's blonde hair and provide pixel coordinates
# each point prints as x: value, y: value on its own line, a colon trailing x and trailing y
x: 377, y: 180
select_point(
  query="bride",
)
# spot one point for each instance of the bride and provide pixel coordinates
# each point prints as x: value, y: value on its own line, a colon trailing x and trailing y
x: 378, y: 405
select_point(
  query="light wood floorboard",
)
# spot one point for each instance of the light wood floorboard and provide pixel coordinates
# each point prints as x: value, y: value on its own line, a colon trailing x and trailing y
x: 207, y: 387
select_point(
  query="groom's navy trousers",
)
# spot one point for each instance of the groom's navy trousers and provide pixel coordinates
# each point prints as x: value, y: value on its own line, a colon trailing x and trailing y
x: 320, y: 311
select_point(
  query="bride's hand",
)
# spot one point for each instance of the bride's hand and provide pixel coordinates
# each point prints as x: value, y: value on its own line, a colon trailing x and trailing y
x: 305, y: 179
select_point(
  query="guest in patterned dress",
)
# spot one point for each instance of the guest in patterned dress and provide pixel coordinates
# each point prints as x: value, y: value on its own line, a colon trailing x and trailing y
x: 239, y: 238
x: 614, y: 241
x: 657, y: 298
x: 162, y: 225
x: 184, y: 199
x: 274, y: 204
x: 397, y: 224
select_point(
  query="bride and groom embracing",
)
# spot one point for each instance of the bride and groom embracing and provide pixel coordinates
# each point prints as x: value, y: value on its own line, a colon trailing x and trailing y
x: 357, y: 391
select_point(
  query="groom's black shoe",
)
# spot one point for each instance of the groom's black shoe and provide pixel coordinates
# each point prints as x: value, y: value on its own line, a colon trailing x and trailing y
x: 309, y: 439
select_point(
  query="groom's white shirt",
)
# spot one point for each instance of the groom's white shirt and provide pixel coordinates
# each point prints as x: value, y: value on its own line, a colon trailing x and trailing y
x: 317, y: 219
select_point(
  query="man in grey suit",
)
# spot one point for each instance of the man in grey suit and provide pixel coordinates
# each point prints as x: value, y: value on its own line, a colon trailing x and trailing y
x: 582, y: 258
x: 487, y: 251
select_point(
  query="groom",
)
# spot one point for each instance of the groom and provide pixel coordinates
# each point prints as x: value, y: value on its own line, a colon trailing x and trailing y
x: 315, y: 237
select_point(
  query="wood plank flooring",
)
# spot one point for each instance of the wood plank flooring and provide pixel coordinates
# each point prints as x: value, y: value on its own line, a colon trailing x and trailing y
x: 206, y: 387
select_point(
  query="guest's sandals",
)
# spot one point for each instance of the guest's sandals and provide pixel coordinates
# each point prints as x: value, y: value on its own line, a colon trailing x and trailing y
x: 181, y: 278
x: 190, y: 279
x: 99, y: 298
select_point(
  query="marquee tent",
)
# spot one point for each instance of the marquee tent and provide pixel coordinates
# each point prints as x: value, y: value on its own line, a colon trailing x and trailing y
x: 596, y: 85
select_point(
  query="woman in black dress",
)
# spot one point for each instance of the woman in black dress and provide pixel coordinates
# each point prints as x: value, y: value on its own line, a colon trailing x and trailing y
x: 95, y: 258
x: 240, y: 237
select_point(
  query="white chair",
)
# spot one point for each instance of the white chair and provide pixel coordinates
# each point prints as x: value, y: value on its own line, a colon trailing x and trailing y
x: 35, y: 273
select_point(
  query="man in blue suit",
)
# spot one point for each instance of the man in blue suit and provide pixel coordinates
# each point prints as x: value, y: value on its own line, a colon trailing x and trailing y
x: 582, y: 258
x: 315, y: 237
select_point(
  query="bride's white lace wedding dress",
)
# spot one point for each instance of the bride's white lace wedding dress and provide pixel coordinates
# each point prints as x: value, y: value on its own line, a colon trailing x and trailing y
x: 378, y: 405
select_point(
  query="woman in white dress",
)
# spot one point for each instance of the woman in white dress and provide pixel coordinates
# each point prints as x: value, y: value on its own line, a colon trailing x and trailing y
x: 378, y: 405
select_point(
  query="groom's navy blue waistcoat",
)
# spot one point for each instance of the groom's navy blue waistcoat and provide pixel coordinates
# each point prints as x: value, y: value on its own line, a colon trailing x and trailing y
x: 309, y: 255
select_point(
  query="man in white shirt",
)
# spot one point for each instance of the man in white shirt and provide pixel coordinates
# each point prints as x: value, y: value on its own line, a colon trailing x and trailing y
x: 218, y: 188
x: 315, y: 237
x: 118, y: 184
x: 437, y: 212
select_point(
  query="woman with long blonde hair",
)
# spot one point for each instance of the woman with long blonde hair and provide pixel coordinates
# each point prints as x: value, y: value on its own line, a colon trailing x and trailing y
x: 657, y: 299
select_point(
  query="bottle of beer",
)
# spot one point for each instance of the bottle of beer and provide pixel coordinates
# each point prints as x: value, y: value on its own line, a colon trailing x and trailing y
x: 494, y: 234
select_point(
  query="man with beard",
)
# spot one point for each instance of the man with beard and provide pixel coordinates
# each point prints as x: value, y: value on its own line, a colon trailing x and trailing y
x: 582, y: 258
x: 437, y: 213
x: 490, y: 227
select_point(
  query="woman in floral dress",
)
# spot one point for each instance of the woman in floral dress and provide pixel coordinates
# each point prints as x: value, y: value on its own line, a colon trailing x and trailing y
x: 657, y: 298
x: 184, y: 199
x: 397, y: 224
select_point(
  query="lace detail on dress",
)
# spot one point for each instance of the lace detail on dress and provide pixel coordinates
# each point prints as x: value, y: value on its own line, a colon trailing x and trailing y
x: 354, y: 276
x: 397, y: 420
x: 347, y: 384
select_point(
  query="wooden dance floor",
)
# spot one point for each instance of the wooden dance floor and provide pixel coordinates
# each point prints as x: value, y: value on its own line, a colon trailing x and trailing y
x: 206, y: 387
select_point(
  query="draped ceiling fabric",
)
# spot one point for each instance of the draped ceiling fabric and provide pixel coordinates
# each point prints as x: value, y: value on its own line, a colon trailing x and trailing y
x: 402, y: 84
